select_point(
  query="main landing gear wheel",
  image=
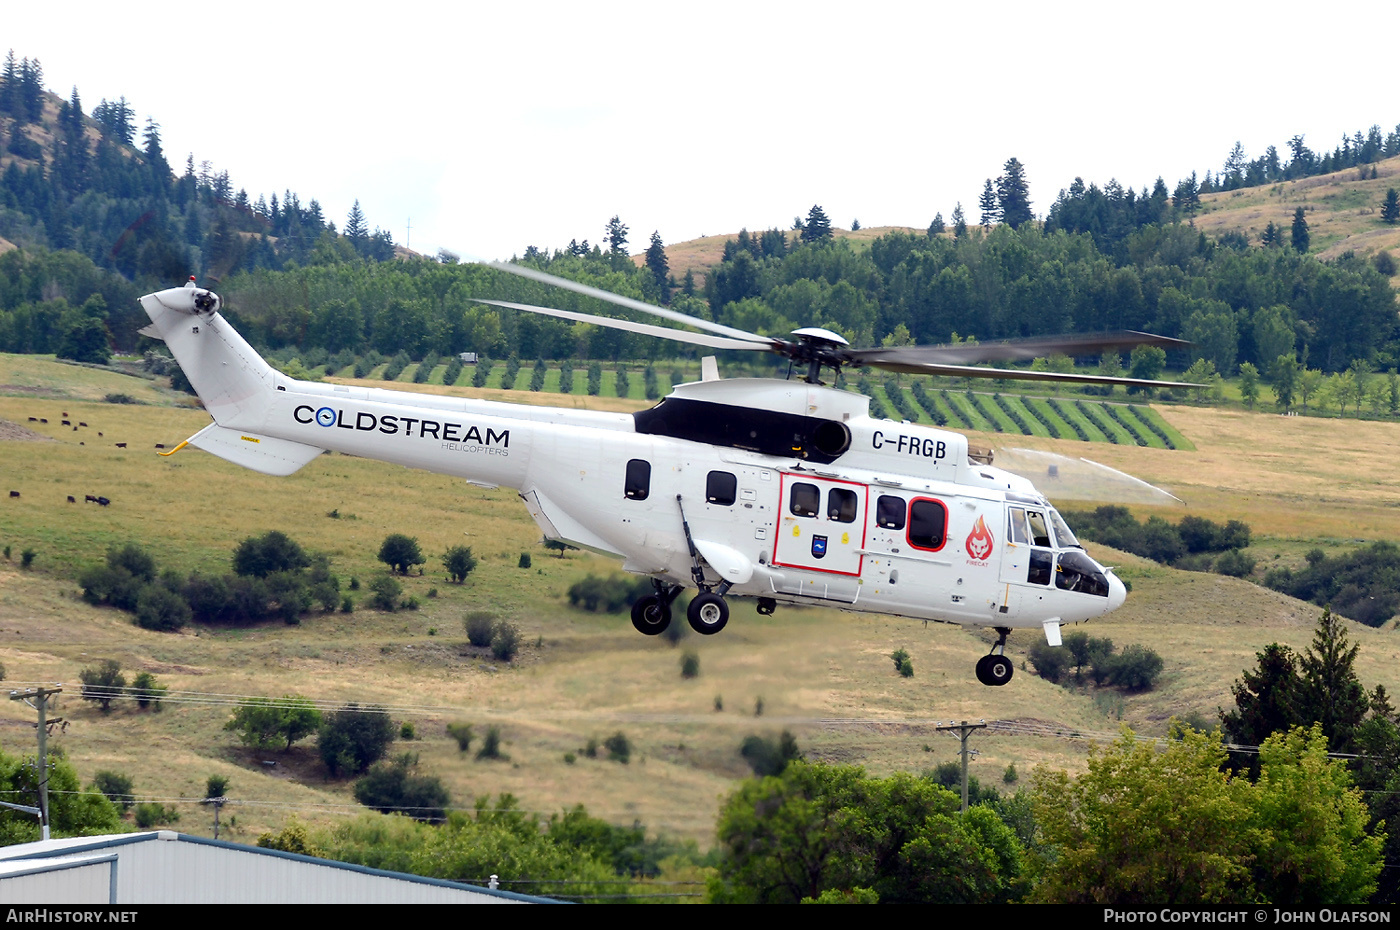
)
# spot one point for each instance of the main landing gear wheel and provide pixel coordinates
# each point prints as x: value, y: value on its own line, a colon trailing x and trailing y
x: 651, y: 614
x: 994, y: 670
x: 708, y: 613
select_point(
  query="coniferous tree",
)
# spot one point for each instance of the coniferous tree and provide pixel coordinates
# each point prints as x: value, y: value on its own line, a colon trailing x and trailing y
x: 1013, y: 195
x: 1390, y: 211
x: 617, y: 235
x: 355, y: 229
x: 1301, y: 237
x: 658, y: 265
x: 817, y: 227
x: 987, y: 204
x: 936, y: 228
x: 959, y: 223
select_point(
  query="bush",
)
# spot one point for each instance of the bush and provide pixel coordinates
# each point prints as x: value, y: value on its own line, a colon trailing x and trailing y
x: 524, y: 560
x: 1051, y: 662
x: 103, y: 684
x: 354, y: 738
x: 505, y: 641
x: 459, y: 563
x: 148, y: 691
x: 462, y: 733
x: 269, y: 724
x: 491, y: 745
x: 690, y: 665
x: 155, y: 814
x: 216, y: 786
x: 117, y: 788
x: 1136, y: 668
x: 396, y: 788
x: 1236, y: 564
x: 768, y: 757
x: 385, y: 593
x: 619, y: 747
x: 407, y: 731
x: 272, y: 552
x: 159, y: 608
x: 400, y: 553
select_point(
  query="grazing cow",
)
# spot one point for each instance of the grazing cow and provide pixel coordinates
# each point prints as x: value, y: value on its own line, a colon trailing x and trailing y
x: 14, y: 494
x: 90, y: 499
x: 66, y: 423
x: 121, y: 445
x: 99, y: 434
x: 160, y: 445
x: 75, y: 429
x: 65, y: 413
x: 81, y: 423
x: 72, y: 499
x: 43, y: 420
x: 103, y: 501
x: 33, y: 419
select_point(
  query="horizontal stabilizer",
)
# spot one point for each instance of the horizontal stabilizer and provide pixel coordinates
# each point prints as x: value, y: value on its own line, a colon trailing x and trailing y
x: 260, y: 453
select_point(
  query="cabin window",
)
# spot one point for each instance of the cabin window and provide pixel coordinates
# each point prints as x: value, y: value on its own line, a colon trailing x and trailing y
x: 928, y: 524
x: 889, y: 512
x: 721, y: 488
x: 805, y: 500
x: 1018, y: 526
x: 841, y: 505
x: 638, y: 485
x: 1038, y: 572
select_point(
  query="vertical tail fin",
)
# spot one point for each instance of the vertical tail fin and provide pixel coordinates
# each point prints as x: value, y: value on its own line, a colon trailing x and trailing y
x: 231, y: 379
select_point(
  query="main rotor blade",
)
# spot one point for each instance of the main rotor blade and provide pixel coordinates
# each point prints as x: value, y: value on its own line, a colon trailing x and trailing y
x: 1022, y: 374
x: 588, y: 291
x: 646, y: 329
x: 1017, y: 350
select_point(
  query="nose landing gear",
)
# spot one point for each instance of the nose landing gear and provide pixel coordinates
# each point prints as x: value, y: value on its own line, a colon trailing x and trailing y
x: 996, y: 669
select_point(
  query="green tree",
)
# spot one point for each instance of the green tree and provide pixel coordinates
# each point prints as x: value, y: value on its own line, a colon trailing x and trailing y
x: 817, y: 227
x: 400, y: 553
x: 272, y: 552
x: 353, y: 738
x: 959, y: 222
x: 657, y: 264
x: 1313, y: 849
x: 987, y: 204
x: 819, y: 828
x: 459, y: 563
x: 1331, y: 694
x: 267, y: 724
x: 1013, y: 195
x: 1249, y: 384
x: 1144, y: 827
x: 397, y: 787
x: 148, y: 691
x: 1301, y: 237
x: 1284, y: 376
x: 103, y: 684
x: 72, y: 811
x: 1390, y: 210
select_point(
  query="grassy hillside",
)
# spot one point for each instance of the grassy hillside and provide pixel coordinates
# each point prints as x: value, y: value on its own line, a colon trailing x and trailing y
x: 822, y: 674
x: 1343, y: 211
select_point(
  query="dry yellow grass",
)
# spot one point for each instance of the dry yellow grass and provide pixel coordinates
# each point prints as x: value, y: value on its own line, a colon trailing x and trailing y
x: 822, y: 674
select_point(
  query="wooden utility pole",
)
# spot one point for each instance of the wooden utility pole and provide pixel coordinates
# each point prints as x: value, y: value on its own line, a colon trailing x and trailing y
x: 38, y: 698
x: 964, y: 730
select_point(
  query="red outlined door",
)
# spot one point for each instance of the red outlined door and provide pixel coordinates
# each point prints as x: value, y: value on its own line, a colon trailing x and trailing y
x: 821, y: 524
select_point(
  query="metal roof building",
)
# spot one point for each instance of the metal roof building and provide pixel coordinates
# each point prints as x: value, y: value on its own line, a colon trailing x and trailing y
x: 165, y: 867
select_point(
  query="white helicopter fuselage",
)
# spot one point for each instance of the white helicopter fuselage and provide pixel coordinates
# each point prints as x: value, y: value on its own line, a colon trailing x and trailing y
x: 781, y: 490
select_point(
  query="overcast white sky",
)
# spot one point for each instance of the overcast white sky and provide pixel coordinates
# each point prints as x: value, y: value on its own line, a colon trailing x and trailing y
x: 493, y: 126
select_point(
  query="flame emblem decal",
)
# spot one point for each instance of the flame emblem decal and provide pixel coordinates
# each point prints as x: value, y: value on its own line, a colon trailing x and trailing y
x: 979, y: 541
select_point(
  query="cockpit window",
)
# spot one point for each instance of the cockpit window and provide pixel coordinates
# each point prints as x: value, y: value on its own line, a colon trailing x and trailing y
x: 1063, y: 536
x: 1040, y: 533
x: 1017, y: 532
x: 1077, y: 572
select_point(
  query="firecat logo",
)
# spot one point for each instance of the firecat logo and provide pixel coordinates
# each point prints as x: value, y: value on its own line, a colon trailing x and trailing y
x: 979, y: 541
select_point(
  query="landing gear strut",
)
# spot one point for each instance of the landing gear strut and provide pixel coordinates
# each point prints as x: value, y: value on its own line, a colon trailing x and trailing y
x: 996, y: 669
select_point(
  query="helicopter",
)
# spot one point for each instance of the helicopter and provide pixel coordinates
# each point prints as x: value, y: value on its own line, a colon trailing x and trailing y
x: 786, y: 491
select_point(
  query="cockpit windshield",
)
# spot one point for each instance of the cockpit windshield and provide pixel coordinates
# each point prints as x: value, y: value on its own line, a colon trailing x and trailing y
x: 1063, y: 536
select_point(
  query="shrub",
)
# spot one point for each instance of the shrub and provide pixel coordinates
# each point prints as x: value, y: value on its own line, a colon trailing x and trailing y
x: 400, y: 553
x: 481, y: 626
x: 459, y: 563
x: 103, y: 684
x: 385, y: 593
x: 117, y: 788
x: 159, y: 608
x: 619, y: 747
x: 524, y: 560
x: 354, y: 738
x: 491, y: 745
x: 1051, y: 662
x: 1134, y: 669
x: 148, y: 691
x: 906, y: 667
x: 1235, y: 563
x: 462, y: 733
x: 269, y: 724
x: 1009, y: 776
x: 768, y: 757
x: 154, y: 814
x: 505, y: 641
x: 272, y: 552
x: 690, y: 665
x: 119, y: 398
x: 216, y: 786
x: 407, y: 731
x: 395, y: 787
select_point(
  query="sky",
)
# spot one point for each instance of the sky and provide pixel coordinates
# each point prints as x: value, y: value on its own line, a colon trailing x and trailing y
x: 483, y: 128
